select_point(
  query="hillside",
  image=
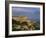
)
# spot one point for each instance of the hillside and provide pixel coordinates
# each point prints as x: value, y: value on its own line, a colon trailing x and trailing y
x: 20, y: 23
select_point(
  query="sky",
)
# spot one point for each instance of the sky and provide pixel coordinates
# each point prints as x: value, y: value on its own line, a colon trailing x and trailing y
x: 30, y: 12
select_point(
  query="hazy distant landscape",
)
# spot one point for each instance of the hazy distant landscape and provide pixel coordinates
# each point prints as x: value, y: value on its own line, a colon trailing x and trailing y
x: 25, y: 18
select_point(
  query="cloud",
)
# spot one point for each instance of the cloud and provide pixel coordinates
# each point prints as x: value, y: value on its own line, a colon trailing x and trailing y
x: 26, y: 11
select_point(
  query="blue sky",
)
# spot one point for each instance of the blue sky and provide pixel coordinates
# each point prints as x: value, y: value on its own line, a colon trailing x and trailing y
x: 30, y: 12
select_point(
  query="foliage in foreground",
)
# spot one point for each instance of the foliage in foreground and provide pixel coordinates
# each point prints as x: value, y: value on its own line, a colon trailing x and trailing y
x: 18, y: 26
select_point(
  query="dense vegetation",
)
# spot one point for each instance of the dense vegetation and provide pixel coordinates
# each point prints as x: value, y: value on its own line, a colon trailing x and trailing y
x: 18, y: 26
